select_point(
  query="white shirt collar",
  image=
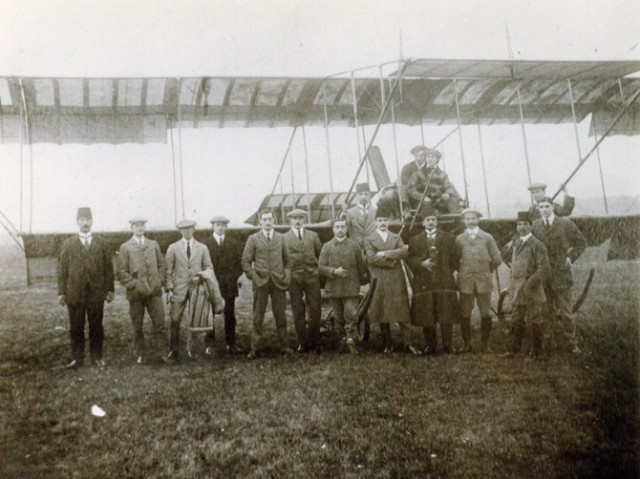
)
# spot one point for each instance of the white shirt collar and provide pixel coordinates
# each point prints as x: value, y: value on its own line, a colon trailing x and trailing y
x: 525, y: 237
x: 139, y: 240
x: 187, y: 242
x: 430, y: 233
x: 340, y: 240
x: 295, y: 231
x: 550, y: 219
x: 85, y: 236
x: 473, y: 231
x: 267, y: 235
x: 219, y: 238
x: 383, y: 234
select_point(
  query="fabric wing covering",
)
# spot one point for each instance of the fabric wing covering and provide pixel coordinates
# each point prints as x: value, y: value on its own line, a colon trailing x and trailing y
x: 141, y: 110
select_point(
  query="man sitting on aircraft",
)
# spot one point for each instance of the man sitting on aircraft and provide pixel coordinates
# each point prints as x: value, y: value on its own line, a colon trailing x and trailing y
x: 430, y: 186
x: 538, y: 193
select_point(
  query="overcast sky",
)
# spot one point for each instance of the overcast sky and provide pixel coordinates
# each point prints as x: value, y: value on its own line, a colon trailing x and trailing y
x: 230, y: 171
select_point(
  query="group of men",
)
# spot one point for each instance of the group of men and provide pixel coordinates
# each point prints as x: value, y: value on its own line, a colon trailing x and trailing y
x: 447, y: 275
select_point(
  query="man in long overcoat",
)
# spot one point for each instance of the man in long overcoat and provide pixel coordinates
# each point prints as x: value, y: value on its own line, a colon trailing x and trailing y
x: 85, y: 282
x: 390, y: 303
x: 565, y: 243
x: 479, y: 258
x: 433, y: 259
x: 529, y: 263
x: 304, y: 289
x: 265, y: 261
x: 225, y: 252
x: 142, y: 271
x: 341, y: 263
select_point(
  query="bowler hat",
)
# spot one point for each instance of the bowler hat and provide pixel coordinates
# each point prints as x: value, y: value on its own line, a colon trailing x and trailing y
x: 363, y: 188
x: 524, y: 216
x: 84, y: 212
x: 186, y: 224
x: 219, y: 219
x: 537, y: 186
x: 470, y: 210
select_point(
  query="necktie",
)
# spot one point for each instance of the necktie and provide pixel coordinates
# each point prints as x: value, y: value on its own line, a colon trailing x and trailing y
x: 299, y: 235
x: 268, y: 237
x: 188, y: 250
x: 546, y: 222
x: 86, y: 243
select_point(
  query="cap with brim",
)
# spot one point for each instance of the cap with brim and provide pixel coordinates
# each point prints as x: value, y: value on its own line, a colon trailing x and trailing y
x: 434, y: 152
x: 363, y: 188
x: 417, y: 149
x: 470, y: 211
x: 219, y: 219
x: 186, y: 224
x: 297, y: 212
x: 524, y: 216
x: 84, y: 212
x: 137, y: 219
x: 537, y: 186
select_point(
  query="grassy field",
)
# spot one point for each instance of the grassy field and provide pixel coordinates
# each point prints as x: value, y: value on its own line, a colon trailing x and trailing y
x: 330, y: 415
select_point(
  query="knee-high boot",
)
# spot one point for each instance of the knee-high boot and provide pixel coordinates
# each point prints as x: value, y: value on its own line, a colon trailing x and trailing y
x: 485, y: 333
x: 465, y: 332
x: 174, y: 341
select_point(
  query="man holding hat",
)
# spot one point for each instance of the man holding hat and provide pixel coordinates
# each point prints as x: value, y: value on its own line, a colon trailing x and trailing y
x: 385, y: 251
x: 565, y: 243
x: 265, y: 261
x: 479, y: 258
x: 85, y: 282
x: 304, y: 289
x: 142, y: 271
x: 361, y: 217
x: 539, y: 191
x: 433, y: 259
x: 529, y: 263
x: 431, y: 185
x: 185, y: 259
x: 225, y: 252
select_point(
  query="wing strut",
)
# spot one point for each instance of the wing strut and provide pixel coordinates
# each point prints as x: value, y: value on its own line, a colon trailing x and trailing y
x: 595, y: 147
x: 484, y: 171
x: 464, y: 168
x: 326, y: 135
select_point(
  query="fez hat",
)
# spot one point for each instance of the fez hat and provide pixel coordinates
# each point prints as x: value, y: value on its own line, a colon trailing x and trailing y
x: 434, y: 152
x: 219, y: 219
x: 84, y: 212
x: 417, y: 149
x: 471, y: 210
x: 297, y: 212
x: 524, y: 216
x: 537, y: 186
x: 186, y: 224
x: 363, y: 188
x: 427, y: 211
x: 137, y: 219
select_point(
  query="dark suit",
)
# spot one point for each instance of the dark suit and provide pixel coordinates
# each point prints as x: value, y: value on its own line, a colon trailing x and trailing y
x: 266, y: 263
x: 305, y: 286
x: 228, y: 268
x: 85, y: 276
x: 428, y: 307
x: 563, y: 240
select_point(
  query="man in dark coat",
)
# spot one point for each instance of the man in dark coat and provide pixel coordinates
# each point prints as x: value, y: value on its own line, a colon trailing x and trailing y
x: 565, y: 243
x: 433, y: 259
x: 529, y: 263
x: 361, y: 218
x: 142, y: 270
x: 304, y: 290
x: 85, y: 282
x: 225, y: 252
x: 539, y: 191
x: 265, y: 261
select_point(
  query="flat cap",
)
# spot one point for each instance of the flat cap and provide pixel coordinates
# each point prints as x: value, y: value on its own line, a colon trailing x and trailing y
x: 84, y: 212
x: 417, y: 149
x: 219, y: 219
x: 434, y: 152
x: 297, y: 212
x: 537, y: 186
x: 363, y: 188
x: 186, y: 224
x: 137, y: 219
x: 470, y: 211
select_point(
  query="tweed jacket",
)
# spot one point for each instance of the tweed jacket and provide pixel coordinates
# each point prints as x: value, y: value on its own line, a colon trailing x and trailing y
x: 361, y: 226
x: 479, y: 258
x: 530, y: 269
x: 345, y: 253
x: 226, y: 263
x: 303, y: 255
x: 262, y: 259
x: 181, y: 270
x: 142, y: 270
x: 390, y: 300
x: 85, y: 274
x: 563, y: 240
x: 428, y: 307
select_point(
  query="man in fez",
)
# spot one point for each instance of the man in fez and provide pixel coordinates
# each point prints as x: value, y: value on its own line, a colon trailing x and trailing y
x: 85, y: 282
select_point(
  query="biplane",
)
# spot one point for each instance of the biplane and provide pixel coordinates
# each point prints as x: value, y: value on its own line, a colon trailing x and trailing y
x: 415, y: 93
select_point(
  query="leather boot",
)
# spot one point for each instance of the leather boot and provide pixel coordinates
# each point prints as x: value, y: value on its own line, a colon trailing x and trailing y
x: 174, y: 341
x: 485, y: 333
x: 465, y: 332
